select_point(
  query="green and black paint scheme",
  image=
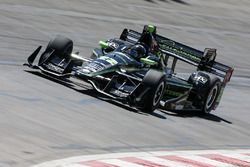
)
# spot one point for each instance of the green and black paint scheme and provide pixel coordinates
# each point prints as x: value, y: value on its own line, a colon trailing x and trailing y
x: 147, y: 83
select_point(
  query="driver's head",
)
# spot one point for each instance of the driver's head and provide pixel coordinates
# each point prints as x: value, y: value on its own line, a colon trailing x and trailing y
x: 137, y: 51
x: 148, y: 35
x: 149, y: 29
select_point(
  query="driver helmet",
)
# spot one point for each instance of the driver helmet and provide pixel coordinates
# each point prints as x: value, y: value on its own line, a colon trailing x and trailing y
x: 148, y: 36
x: 137, y: 51
x: 149, y: 29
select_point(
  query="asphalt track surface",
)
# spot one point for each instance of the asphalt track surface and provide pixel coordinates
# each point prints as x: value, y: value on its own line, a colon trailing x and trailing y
x: 42, y: 120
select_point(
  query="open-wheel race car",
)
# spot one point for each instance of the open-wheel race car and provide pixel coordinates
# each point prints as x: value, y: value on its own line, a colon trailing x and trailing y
x: 126, y: 69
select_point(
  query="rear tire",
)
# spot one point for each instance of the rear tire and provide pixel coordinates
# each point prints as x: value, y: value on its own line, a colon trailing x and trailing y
x: 212, y: 94
x: 154, y: 80
x: 207, y: 88
x: 61, y: 46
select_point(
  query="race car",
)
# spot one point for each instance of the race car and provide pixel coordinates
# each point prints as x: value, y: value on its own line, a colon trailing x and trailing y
x: 124, y: 69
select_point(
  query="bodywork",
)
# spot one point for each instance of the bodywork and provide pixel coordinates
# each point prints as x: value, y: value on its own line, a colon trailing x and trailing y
x: 119, y: 76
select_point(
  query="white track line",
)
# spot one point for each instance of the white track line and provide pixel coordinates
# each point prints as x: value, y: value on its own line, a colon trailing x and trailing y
x: 75, y: 165
x: 120, y: 163
x: 240, y: 157
x: 206, y: 160
x: 165, y: 162
x: 152, y: 157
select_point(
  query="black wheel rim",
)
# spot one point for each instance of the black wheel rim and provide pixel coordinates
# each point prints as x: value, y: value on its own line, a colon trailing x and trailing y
x: 158, y: 94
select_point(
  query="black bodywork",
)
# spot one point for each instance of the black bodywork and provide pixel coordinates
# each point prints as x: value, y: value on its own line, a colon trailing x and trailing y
x: 115, y: 73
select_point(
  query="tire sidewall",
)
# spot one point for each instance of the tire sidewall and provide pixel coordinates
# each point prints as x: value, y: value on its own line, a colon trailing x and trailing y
x: 155, y: 80
x: 203, y: 90
x: 215, y: 84
x: 61, y: 45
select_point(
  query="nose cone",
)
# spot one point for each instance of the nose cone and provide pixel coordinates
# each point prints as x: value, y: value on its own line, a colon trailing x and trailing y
x: 93, y: 67
x: 103, y: 64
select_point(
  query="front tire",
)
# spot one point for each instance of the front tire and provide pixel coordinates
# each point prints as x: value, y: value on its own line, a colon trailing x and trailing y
x: 155, y: 81
x: 60, y: 46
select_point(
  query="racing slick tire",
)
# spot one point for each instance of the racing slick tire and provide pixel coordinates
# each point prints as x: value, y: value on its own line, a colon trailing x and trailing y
x: 155, y: 80
x: 61, y: 46
x: 213, y: 91
x: 208, y: 91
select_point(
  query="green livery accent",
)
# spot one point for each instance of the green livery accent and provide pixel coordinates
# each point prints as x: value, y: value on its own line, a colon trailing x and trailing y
x: 103, y: 44
x: 178, y: 83
x: 94, y: 74
x: 158, y: 54
x: 172, y: 93
x: 108, y: 59
x: 170, y: 46
x: 148, y: 61
x: 151, y: 28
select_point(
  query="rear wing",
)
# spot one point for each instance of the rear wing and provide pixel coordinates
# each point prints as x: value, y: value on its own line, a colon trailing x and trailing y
x: 203, y: 60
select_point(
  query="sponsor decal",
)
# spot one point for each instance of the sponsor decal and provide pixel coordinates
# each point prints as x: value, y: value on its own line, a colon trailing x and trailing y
x: 201, y: 79
x: 171, y: 46
x: 54, y: 68
x: 109, y: 60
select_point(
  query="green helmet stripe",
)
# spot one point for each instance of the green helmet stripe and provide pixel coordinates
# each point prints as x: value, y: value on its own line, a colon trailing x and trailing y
x: 151, y: 28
